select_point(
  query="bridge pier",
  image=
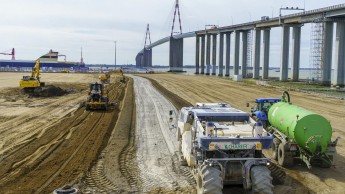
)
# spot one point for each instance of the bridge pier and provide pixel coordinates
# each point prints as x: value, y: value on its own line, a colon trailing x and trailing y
x: 266, y: 42
x: 138, y: 60
x: 339, y: 71
x: 227, y: 54
x: 176, y: 55
x: 296, y: 47
x: 237, y: 52
x: 208, y: 50
x: 256, y: 64
x: 244, y: 53
x: 221, y: 54
x: 327, y: 59
x: 284, y: 62
x: 202, y: 54
x: 197, y: 56
x: 147, y: 58
x: 214, y: 53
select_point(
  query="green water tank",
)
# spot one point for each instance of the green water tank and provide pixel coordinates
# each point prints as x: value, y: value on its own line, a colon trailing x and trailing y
x: 309, y: 130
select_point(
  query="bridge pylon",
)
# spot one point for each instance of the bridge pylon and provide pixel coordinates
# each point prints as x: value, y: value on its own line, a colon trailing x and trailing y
x: 176, y: 45
x: 145, y: 59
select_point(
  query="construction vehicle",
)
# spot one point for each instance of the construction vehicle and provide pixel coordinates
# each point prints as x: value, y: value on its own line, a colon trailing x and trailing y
x: 97, y: 98
x: 259, y: 113
x: 32, y: 83
x: 223, y: 146
x: 297, y: 132
x: 106, y: 77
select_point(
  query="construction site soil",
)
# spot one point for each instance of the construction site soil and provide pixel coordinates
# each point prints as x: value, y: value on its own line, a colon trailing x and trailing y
x: 47, y: 142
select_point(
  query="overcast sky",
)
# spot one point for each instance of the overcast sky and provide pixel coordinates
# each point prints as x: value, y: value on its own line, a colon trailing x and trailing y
x: 33, y: 27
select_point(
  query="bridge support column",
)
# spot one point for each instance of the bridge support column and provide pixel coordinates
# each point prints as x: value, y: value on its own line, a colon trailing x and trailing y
x: 284, y: 62
x: 256, y: 64
x: 296, y: 47
x: 244, y: 53
x: 176, y: 55
x: 227, y: 54
x: 138, y: 60
x: 237, y: 52
x: 147, y: 58
x: 203, y: 54
x: 266, y: 42
x: 339, y: 71
x: 214, y: 53
x: 208, y: 50
x: 327, y: 53
x: 197, y: 54
x: 221, y: 53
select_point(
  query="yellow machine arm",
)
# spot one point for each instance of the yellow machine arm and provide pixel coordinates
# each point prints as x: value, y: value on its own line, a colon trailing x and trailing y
x: 118, y: 71
x: 105, y: 77
x: 30, y: 83
x: 36, y: 70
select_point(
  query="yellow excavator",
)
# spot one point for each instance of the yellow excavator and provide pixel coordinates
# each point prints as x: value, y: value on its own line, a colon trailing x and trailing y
x: 106, y: 77
x: 32, y: 83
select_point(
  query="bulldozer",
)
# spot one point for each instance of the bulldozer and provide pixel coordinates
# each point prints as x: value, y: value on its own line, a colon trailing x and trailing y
x: 106, y: 77
x: 97, y: 98
x: 32, y: 83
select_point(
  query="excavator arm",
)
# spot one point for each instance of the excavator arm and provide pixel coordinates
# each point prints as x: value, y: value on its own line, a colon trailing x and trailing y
x: 106, y: 77
x: 36, y: 70
x: 117, y: 71
x: 30, y: 83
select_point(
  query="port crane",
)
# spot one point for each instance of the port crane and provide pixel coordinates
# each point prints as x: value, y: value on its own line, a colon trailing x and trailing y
x: 11, y: 53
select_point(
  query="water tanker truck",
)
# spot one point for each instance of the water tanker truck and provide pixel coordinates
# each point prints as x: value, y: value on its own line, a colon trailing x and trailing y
x: 297, y: 132
x: 223, y: 146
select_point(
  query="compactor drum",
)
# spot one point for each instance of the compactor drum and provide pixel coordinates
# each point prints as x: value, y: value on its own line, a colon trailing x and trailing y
x: 223, y: 146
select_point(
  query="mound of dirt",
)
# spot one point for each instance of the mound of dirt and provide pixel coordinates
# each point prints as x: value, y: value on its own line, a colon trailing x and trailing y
x: 48, y: 91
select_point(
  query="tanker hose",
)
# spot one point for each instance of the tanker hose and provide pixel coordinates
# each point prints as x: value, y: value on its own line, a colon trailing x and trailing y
x: 285, y: 93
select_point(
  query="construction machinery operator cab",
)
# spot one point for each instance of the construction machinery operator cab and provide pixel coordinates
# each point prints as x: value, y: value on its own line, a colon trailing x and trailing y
x: 96, y: 87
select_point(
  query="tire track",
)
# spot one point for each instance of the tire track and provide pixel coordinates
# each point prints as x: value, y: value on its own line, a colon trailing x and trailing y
x: 96, y: 179
x: 156, y: 155
x: 51, y: 178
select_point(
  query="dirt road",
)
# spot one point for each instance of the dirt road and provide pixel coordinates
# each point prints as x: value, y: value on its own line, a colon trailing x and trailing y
x: 213, y: 89
x: 156, y: 149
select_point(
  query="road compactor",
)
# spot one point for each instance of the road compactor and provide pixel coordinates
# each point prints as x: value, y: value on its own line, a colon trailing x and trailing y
x: 298, y: 133
x: 32, y: 83
x: 98, y: 97
x: 223, y: 146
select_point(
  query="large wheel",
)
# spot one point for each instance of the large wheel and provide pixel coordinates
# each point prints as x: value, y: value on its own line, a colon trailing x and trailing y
x: 275, y: 145
x: 261, y: 180
x: 209, y: 180
x: 284, y: 159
